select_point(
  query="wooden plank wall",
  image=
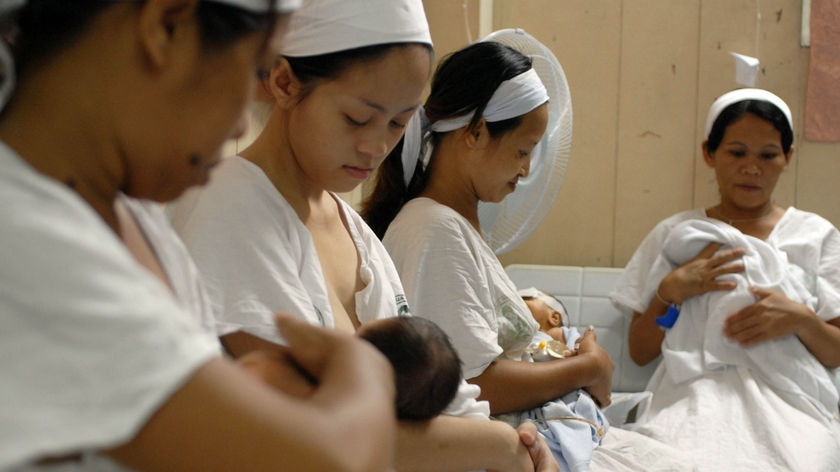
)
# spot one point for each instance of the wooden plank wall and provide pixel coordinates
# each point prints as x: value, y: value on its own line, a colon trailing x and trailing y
x: 642, y: 74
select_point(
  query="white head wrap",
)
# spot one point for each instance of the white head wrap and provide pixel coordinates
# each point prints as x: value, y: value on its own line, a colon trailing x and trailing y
x: 326, y: 26
x: 553, y: 303
x: 7, y: 84
x: 514, y: 97
x: 740, y: 95
x: 280, y: 6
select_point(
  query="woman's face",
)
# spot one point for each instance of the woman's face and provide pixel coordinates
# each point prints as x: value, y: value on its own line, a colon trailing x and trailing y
x: 509, y: 157
x: 344, y: 128
x: 748, y: 162
x: 201, y: 106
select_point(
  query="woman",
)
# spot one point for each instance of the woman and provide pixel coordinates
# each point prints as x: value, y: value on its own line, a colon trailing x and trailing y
x: 747, y: 389
x: 270, y: 234
x: 102, y: 368
x: 487, y: 112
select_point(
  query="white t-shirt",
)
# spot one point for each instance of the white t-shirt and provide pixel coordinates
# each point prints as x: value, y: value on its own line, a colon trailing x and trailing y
x: 175, y: 259
x: 91, y: 343
x: 452, y: 277
x: 257, y: 258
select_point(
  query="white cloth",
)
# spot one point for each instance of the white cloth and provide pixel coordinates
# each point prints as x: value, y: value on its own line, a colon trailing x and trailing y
x: 514, y: 97
x: 257, y: 258
x: 740, y: 95
x: 280, y: 6
x: 175, y: 260
x: 453, y: 277
x: 695, y: 344
x: 729, y: 416
x: 91, y: 343
x: 326, y: 26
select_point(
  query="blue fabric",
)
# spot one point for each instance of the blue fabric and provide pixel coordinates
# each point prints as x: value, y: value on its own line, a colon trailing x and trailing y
x: 572, y: 427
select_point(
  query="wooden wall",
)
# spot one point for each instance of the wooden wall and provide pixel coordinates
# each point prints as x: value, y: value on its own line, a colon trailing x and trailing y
x: 642, y: 74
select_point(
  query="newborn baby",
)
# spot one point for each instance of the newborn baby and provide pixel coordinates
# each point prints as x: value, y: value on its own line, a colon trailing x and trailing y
x: 427, y: 369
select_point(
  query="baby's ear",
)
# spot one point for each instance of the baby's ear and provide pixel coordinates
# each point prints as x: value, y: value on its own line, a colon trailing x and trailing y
x: 556, y: 319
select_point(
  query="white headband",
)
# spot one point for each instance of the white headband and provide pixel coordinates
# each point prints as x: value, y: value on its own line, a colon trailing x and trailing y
x: 326, y: 26
x: 514, y: 97
x: 553, y: 303
x: 280, y: 6
x: 740, y: 95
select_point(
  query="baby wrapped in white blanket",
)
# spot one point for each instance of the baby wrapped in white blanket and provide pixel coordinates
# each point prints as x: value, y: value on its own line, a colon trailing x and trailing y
x: 695, y: 343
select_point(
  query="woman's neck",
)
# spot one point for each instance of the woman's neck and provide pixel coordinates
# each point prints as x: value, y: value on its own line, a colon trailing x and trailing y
x: 459, y: 198
x: 78, y: 152
x: 273, y: 155
x: 758, y: 222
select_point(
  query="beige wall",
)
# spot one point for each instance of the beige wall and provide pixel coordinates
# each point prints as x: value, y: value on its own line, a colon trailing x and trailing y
x: 642, y: 74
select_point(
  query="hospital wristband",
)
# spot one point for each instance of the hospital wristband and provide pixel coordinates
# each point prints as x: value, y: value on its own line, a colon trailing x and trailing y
x: 670, y: 317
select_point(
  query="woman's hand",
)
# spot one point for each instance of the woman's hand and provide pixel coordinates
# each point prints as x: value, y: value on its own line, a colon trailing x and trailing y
x: 544, y: 460
x: 700, y: 274
x: 773, y: 316
x: 276, y: 368
x: 601, y: 385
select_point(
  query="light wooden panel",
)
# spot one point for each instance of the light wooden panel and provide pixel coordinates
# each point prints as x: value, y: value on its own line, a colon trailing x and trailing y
x: 585, y: 37
x: 453, y: 23
x: 657, y: 94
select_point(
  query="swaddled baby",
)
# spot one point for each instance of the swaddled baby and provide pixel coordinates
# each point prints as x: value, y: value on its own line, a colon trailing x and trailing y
x: 555, y: 338
x: 427, y: 368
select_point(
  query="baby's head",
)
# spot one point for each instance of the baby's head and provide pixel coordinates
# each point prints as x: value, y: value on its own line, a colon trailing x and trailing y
x: 426, y: 366
x: 547, y: 310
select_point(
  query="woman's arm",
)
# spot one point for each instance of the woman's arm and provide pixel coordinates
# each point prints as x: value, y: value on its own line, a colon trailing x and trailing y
x: 223, y: 419
x: 775, y: 316
x: 513, y: 385
x: 449, y: 443
x: 695, y: 277
x: 442, y: 444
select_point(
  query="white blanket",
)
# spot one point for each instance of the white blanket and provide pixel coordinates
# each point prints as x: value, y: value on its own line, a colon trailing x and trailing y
x: 739, y: 408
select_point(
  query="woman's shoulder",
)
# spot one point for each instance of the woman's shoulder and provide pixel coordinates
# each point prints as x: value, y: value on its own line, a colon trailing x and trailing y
x: 238, y: 192
x: 796, y: 216
x: 426, y: 213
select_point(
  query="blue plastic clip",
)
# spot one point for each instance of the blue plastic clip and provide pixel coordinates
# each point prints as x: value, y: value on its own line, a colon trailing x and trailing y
x: 670, y: 317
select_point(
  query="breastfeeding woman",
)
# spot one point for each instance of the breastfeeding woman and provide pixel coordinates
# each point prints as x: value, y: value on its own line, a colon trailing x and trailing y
x: 102, y: 368
x: 485, y: 115
x: 270, y: 234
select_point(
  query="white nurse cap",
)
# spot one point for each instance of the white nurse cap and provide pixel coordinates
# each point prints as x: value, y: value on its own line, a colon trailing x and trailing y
x: 326, y: 26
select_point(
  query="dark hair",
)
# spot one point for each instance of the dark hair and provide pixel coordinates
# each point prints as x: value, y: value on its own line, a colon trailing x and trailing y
x: 426, y: 366
x: 463, y: 83
x: 325, y: 67
x: 44, y: 27
x: 760, y: 108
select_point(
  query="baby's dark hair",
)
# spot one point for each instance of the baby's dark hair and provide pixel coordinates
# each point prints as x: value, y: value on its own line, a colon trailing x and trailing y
x: 426, y: 366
